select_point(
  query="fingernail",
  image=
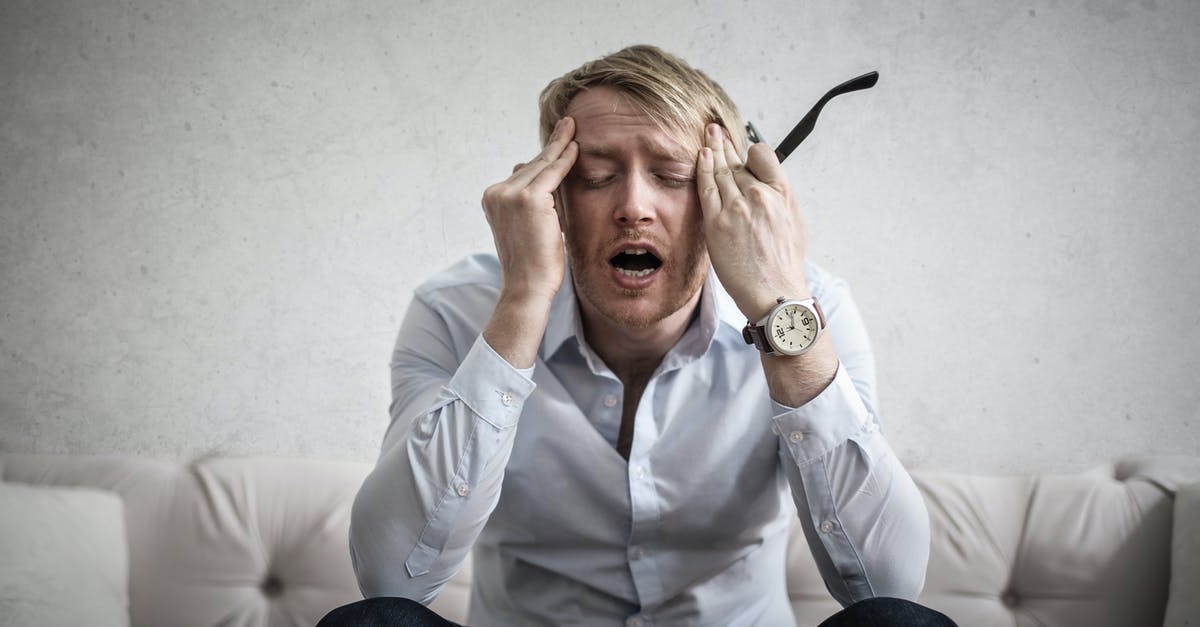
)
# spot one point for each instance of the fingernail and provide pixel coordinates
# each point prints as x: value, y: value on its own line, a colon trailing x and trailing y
x: 714, y: 130
x: 706, y: 153
x: 558, y: 124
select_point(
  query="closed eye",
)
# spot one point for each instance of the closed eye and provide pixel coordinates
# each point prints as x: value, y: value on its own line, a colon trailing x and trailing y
x: 597, y: 181
x: 671, y: 180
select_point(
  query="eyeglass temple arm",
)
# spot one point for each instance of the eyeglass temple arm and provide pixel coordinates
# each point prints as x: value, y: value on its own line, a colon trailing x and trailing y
x: 806, y: 125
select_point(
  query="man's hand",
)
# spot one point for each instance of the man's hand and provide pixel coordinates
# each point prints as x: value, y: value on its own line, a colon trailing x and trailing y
x: 521, y: 213
x: 757, y: 239
x: 524, y: 222
x: 756, y: 234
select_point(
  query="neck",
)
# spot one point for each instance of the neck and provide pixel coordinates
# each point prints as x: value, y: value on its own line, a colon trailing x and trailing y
x: 634, y: 353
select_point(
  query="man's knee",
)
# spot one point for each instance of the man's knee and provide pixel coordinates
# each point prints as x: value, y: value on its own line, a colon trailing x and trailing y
x: 888, y: 612
x: 383, y: 612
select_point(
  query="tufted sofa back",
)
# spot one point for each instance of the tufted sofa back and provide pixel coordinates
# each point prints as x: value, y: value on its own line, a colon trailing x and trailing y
x: 229, y: 542
x: 258, y: 542
x: 1052, y: 550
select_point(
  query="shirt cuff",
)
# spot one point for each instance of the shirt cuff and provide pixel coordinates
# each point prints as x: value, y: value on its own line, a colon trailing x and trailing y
x: 491, y: 386
x: 826, y: 422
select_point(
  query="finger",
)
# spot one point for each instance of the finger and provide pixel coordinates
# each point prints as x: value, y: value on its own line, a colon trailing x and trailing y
x: 564, y: 131
x: 743, y: 177
x: 762, y: 162
x: 721, y: 170
x: 553, y: 174
x: 517, y: 167
x: 706, y: 184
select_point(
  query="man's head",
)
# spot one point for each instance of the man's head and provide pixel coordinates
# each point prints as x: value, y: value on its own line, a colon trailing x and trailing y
x: 629, y: 209
x: 679, y: 98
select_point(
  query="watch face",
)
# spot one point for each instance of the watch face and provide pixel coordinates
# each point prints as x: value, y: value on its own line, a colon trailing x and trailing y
x: 793, y: 329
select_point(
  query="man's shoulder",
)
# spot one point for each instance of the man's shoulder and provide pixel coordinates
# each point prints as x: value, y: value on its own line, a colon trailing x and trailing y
x: 472, y: 277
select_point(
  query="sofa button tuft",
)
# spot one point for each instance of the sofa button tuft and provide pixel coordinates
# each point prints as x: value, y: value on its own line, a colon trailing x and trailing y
x: 1009, y: 598
x: 272, y: 586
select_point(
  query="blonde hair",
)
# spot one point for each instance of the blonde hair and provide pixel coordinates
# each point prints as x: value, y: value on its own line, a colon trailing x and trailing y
x: 679, y: 98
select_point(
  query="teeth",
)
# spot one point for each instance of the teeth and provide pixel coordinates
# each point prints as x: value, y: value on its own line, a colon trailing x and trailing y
x: 634, y: 251
x: 635, y: 273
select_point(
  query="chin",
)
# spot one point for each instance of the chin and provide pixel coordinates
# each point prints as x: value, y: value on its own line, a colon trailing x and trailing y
x: 634, y: 317
x: 641, y: 309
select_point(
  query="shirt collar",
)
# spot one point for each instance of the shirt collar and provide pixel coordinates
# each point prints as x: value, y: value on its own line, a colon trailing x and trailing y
x: 717, y: 311
x: 564, y: 318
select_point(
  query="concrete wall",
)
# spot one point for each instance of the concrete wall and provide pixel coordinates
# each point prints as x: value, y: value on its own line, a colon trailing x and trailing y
x: 213, y: 213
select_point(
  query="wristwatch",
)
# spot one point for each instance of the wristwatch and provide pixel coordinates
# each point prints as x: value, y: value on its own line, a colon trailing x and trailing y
x: 791, y: 328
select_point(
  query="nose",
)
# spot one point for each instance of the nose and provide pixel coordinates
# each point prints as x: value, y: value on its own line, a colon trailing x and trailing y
x: 634, y: 203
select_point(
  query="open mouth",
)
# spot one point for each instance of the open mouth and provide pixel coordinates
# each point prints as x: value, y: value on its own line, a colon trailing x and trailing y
x: 635, y: 262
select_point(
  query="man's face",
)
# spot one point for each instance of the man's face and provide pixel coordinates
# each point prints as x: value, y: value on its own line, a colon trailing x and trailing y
x: 630, y: 214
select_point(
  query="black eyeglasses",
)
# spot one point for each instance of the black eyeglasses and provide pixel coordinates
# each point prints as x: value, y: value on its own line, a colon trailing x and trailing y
x: 809, y: 121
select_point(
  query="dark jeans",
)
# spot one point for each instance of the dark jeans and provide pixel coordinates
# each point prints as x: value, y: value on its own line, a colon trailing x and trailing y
x: 384, y: 612
x: 397, y: 612
x: 888, y: 612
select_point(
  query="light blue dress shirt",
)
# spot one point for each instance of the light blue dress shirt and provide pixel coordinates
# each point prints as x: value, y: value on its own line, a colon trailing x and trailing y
x: 520, y: 467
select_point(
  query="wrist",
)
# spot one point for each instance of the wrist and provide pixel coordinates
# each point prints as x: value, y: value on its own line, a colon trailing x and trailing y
x: 757, y: 306
x: 517, y: 325
x: 795, y: 380
x: 526, y: 298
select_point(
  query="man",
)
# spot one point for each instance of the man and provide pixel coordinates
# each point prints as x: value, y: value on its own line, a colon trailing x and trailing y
x: 591, y: 423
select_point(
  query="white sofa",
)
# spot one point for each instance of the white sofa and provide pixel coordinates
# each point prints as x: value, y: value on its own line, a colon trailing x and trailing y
x: 262, y: 541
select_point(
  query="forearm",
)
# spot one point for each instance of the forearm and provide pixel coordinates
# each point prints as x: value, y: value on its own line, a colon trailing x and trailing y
x: 797, y: 379
x: 841, y: 468
x: 863, y: 517
x: 438, y: 479
x: 517, y: 325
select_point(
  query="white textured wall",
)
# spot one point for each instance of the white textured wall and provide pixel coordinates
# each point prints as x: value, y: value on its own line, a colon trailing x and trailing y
x: 213, y: 213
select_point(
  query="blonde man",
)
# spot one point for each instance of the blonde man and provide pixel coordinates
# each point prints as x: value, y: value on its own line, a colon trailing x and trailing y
x: 613, y: 428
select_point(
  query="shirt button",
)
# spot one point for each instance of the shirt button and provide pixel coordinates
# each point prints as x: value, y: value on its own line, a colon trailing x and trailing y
x: 610, y: 400
x: 638, y: 553
x: 462, y: 489
x: 636, y: 621
x: 507, y: 399
x: 826, y: 527
x: 796, y: 437
x: 640, y: 471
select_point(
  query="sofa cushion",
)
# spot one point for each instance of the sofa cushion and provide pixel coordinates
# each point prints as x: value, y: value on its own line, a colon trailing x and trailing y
x: 1183, y: 607
x: 64, y: 555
